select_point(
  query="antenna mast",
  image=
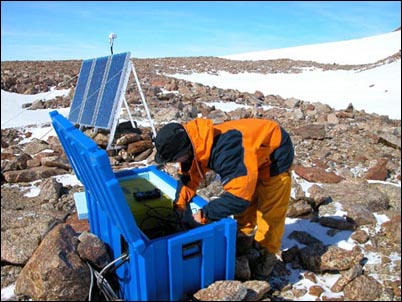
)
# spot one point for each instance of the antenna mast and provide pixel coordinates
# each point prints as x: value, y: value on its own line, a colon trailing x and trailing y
x: 112, y: 36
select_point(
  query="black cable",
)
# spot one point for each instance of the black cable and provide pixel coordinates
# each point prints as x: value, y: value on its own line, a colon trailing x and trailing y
x: 167, y: 221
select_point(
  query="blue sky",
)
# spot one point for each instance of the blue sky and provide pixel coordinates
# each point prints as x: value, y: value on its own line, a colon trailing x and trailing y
x: 62, y: 30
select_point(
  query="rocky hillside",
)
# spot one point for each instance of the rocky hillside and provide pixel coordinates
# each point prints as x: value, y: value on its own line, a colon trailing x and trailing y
x: 341, y: 150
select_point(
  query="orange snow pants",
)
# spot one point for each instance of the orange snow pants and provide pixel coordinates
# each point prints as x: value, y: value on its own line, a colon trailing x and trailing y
x: 267, y: 213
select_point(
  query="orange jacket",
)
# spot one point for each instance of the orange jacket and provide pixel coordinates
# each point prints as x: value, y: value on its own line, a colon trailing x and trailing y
x: 240, y: 152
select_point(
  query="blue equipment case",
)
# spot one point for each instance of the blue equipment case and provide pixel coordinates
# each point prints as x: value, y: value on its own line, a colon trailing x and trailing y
x: 172, y: 267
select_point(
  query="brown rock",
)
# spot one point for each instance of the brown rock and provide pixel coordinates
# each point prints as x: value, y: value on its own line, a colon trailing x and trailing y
x: 379, y: 171
x: 231, y: 290
x: 363, y: 288
x: 315, y: 290
x: 55, y: 271
x: 139, y: 146
x: 316, y: 174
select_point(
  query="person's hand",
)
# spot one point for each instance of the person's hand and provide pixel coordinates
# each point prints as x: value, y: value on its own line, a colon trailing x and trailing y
x: 199, y: 217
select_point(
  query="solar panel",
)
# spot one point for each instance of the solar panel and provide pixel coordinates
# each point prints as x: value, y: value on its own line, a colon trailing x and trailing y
x: 109, y: 99
x: 80, y: 90
x: 94, y: 90
x: 99, y: 91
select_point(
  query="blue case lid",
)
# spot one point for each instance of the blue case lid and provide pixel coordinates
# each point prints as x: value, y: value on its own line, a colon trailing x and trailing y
x: 92, y: 167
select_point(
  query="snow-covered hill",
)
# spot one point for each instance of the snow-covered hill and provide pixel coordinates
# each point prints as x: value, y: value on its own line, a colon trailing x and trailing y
x: 357, y: 51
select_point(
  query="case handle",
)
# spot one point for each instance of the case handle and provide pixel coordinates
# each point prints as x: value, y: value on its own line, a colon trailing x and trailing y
x: 191, y: 250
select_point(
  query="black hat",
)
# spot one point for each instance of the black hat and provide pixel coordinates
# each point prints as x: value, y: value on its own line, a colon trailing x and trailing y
x: 171, y: 142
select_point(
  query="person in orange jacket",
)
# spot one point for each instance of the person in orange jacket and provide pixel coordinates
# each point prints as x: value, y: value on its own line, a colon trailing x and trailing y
x: 252, y: 158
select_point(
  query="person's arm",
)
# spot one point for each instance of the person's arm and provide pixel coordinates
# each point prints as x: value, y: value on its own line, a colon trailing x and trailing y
x: 225, y: 205
x: 185, y: 188
x: 184, y: 194
x: 228, y: 159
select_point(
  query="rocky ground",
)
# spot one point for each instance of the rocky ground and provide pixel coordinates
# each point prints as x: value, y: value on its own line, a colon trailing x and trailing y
x: 339, y: 149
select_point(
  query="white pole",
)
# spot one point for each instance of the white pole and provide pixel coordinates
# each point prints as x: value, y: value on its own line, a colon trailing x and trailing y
x: 143, y: 98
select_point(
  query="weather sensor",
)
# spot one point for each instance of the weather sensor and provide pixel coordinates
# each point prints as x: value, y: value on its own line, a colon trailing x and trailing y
x: 112, y: 36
